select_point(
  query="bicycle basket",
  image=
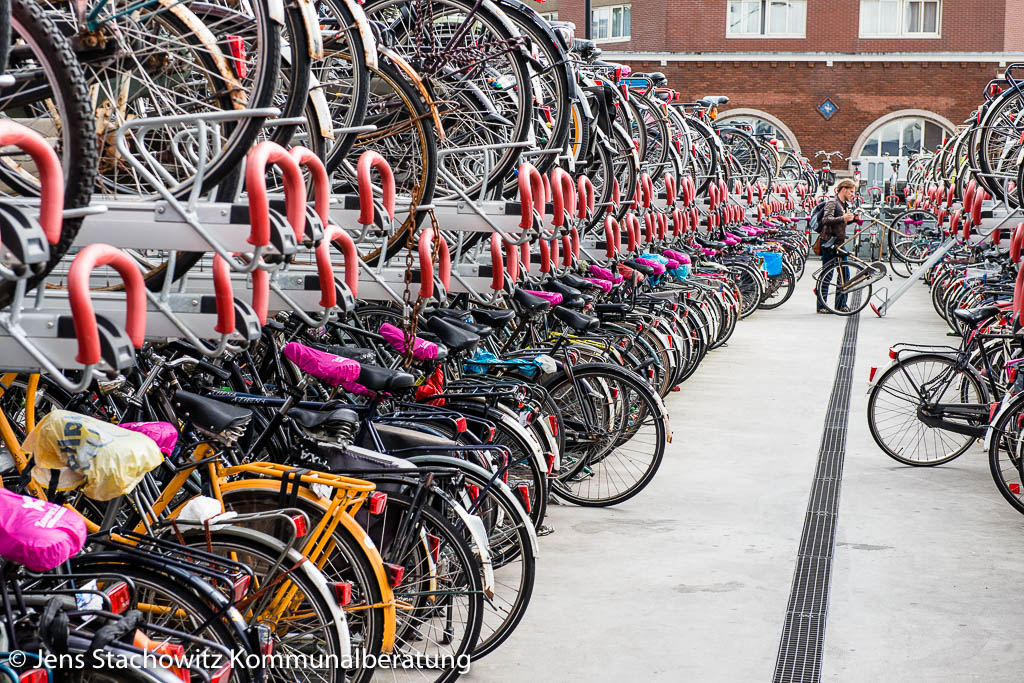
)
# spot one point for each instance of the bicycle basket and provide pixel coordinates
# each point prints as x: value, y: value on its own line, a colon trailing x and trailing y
x: 772, y: 262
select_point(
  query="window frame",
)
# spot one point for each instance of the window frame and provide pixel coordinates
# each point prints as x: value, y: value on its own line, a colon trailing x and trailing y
x: 902, y: 33
x: 610, y: 10
x: 730, y: 35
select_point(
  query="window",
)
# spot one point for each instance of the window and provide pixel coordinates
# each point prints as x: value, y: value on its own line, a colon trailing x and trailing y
x: 756, y: 126
x: 774, y: 18
x: 892, y: 142
x: 900, y: 18
x: 610, y: 23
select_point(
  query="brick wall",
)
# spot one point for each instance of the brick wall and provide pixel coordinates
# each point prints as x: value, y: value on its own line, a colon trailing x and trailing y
x: 863, y: 92
x: 832, y: 26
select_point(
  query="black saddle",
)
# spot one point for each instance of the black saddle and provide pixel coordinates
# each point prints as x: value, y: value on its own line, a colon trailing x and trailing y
x: 612, y: 309
x: 529, y: 302
x: 975, y: 316
x: 571, y: 297
x: 376, y: 378
x: 209, y: 414
x: 454, y: 337
x: 577, y: 282
x: 575, y: 320
x: 313, y: 419
x: 641, y: 268
x: 493, y: 317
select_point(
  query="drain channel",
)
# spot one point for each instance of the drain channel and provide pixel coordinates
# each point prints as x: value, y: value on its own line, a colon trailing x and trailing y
x: 803, y: 635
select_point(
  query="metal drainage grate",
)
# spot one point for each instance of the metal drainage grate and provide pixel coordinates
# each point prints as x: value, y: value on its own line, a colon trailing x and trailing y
x: 803, y: 635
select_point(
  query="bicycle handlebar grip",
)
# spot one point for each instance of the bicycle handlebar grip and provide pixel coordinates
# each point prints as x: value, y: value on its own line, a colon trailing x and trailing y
x: 585, y: 189
x: 82, y: 312
x: 497, y: 264
x: 256, y: 186
x: 321, y: 184
x: 51, y: 206
x: 369, y: 160
x: 612, y: 232
x: 531, y: 194
x: 670, y: 190
x: 224, y: 296
x: 563, y: 195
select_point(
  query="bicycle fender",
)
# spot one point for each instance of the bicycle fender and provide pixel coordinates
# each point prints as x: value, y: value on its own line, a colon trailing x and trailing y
x: 363, y: 25
x: 1006, y: 405
x: 311, y: 23
x: 320, y: 108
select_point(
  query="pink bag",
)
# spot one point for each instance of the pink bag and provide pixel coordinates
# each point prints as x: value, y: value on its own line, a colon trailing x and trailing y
x: 163, y: 433
x: 421, y: 348
x: 38, y: 534
x: 327, y: 367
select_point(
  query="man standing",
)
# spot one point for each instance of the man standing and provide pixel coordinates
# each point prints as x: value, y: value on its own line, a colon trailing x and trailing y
x: 833, y: 234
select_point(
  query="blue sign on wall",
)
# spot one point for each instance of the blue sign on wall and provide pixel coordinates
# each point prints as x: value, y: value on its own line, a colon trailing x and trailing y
x: 827, y: 108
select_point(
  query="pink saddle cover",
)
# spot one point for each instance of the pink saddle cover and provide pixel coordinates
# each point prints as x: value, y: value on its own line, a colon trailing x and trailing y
x: 605, y: 274
x: 421, y: 348
x: 604, y: 285
x: 553, y: 298
x: 38, y: 534
x: 658, y: 268
x: 326, y: 367
x: 163, y: 433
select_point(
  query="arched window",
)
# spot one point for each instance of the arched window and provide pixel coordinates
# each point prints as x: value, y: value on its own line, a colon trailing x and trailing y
x: 761, y: 123
x: 886, y: 145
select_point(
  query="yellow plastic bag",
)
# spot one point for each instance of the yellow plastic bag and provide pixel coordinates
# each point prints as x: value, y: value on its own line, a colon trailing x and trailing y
x: 108, y: 459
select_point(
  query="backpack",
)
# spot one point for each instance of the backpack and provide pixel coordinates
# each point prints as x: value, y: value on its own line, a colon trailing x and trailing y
x: 814, y: 220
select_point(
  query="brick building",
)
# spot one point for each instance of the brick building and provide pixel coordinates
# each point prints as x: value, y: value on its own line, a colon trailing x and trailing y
x: 865, y: 77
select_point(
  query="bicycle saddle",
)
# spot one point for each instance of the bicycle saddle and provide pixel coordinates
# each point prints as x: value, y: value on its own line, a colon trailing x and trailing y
x: 38, y: 534
x: 209, y: 414
x: 494, y: 317
x: 457, y: 319
x: 975, y: 316
x: 612, y: 309
x: 529, y: 302
x: 376, y: 378
x: 571, y: 297
x: 311, y: 419
x: 577, y: 282
x: 577, y: 321
x: 452, y: 336
x: 641, y: 268
x: 357, y: 353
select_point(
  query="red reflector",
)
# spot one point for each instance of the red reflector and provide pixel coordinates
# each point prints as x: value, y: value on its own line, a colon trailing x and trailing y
x: 551, y: 462
x: 300, y: 525
x: 474, y: 491
x: 615, y: 392
x: 871, y: 375
x: 378, y: 501
x: 223, y: 675
x: 1014, y: 488
x: 343, y: 592
x: 650, y: 373
x: 240, y: 587
x: 524, y: 495
x: 1011, y: 373
x: 35, y: 676
x: 396, y: 573
x: 992, y: 410
x: 892, y: 352
x: 434, y: 542
x: 237, y: 47
x: 120, y: 596
x: 460, y: 425
x: 491, y: 432
x: 553, y: 422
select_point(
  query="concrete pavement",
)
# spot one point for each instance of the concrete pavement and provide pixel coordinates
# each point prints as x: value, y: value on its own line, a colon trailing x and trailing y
x: 689, y: 581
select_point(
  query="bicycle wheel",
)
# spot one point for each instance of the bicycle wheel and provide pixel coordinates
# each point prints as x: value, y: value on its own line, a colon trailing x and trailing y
x: 310, y: 628
x: 343, y: 76
x: 894, y: 403
x: 750, y: 286
x: 441, y: 590
x: 780, y: 288
x: 50, y: 96
x: 834, y: 275
x: 616, y: 428
x: 1006, y: 454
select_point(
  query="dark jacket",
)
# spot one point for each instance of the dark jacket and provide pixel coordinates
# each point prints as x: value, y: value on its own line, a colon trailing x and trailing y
x: 832, y: 223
